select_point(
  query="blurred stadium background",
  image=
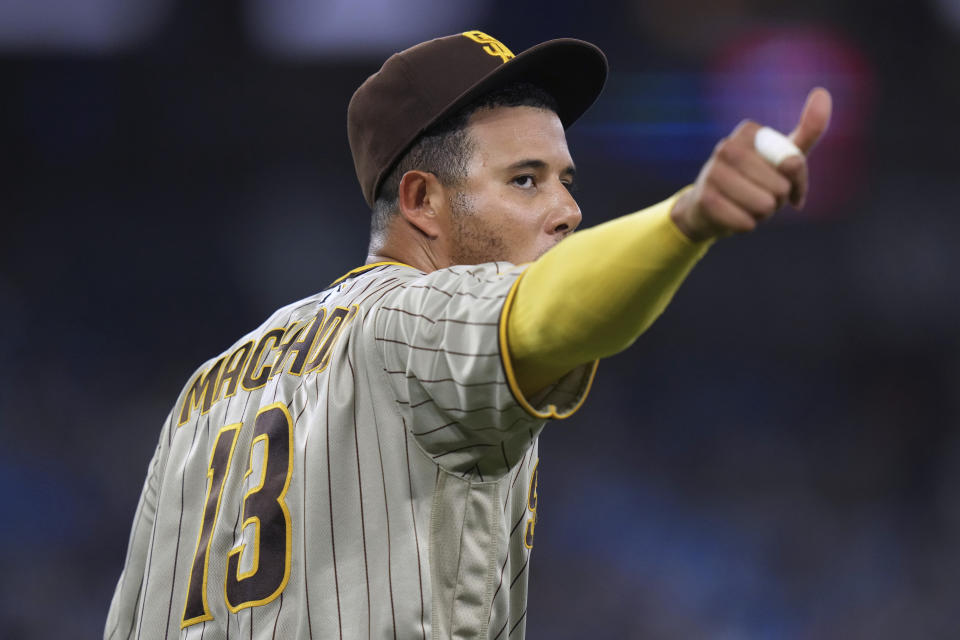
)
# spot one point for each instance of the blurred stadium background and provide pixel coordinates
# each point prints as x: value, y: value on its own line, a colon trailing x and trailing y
x: 777, y: 458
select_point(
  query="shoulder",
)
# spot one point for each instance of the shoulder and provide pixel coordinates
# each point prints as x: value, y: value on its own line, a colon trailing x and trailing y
x: 372, y: 285
x: 459, y: 280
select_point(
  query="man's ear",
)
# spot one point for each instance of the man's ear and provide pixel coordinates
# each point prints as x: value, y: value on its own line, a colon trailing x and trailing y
x: 421, y: 200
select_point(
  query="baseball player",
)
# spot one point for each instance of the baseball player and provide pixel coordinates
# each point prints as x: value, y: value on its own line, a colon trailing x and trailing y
x: 364, y: 463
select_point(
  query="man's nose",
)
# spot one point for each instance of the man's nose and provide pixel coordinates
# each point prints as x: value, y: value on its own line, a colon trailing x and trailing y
x: 566, y: 216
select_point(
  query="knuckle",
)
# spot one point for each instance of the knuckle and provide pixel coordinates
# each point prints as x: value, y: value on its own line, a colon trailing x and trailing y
x: 782, y: 189
x: 769, y: 206
x: 793, y: 166
x: 744, y: 223
x: 713, y: 176
x: 747, y: 126
x: 730, y: 151
x: 710, y: 199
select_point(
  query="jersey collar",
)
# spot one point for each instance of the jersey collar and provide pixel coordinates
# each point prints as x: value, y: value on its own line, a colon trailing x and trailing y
x: 364, y: 268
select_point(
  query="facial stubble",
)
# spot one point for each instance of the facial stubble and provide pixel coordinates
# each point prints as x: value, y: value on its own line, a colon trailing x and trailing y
x: 475, y: 239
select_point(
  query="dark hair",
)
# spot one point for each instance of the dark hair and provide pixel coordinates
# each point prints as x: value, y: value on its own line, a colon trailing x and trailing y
x: 445, y: 148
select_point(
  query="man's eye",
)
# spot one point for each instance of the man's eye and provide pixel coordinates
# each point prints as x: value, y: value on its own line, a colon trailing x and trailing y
x: 524, y: 182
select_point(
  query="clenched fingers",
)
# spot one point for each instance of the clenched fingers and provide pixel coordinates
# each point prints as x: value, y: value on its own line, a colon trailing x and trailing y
x: 752, y: 199
x: 786, y: 182
x: 722, y: 214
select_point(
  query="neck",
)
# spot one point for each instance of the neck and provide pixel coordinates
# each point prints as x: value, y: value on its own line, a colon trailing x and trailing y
x: 410, y: 246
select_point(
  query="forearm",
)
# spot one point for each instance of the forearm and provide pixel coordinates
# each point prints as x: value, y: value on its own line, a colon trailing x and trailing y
x: 594, y: 293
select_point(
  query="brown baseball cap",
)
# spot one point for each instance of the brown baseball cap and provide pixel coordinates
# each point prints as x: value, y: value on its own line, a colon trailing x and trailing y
x: 419, y: 86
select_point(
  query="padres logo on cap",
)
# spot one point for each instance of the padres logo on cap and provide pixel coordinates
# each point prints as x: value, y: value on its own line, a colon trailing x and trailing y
x: 492, y: 46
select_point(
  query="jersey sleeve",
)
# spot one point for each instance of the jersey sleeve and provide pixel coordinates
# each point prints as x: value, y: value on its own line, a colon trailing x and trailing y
x: 440, y: 339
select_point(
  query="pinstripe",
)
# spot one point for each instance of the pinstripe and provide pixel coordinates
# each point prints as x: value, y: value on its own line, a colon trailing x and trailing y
x: 413, y: 517
x: 373, y: 283
x: 353, y: 284
x: 519, y: 620
x: 506, y: 559
x: 452, y: 409
x: 176, y: 553
x: 173, y: 579
x: 493, y: 599
x: 468, y: 323
x: 439, y: 349
x: 136, y: 606
x: 408, y: 313
x: 305, y: 305
x: 277, y: 619
x: 523, y: 516
x: 333, y: 539
x: 146, y: 581
x: 386, y: 510
x: 478, y: 278
x: 423, y: 433
x: 382, y: 293
x: 123, y: 580
x: 496, y: 428
x: 306, y: 556
x: 439, y: 380
x: 378, y: 289
x: 438, y: 320
x: 516, y: 475
x: 520, y: 572
x: 236, y: 522
x: 432, y: 288
x: 457, y: 293
x: 363, y: 526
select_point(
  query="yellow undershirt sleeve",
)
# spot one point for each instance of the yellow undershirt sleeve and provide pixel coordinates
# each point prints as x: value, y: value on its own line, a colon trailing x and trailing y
x: 593, y: 294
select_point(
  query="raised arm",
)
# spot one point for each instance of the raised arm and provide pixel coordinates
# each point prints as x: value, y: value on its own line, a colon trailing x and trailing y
x: 594, y: 293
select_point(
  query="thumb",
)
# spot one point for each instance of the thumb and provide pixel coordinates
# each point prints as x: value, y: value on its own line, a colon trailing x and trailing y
x: 813, y: 120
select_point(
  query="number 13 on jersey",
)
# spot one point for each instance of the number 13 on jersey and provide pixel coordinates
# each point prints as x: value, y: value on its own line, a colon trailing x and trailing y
x: 267, y: 559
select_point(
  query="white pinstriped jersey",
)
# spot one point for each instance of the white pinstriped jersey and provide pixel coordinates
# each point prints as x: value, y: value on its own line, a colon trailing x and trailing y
x: 357, y: 467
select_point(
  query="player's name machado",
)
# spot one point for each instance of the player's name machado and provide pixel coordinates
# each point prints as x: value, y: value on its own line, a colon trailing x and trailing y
x: 247, y: 366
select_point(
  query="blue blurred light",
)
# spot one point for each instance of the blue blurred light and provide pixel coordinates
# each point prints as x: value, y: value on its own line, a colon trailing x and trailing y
x: 90, y: 26
x: 306, y: 28
x: 654, y: 122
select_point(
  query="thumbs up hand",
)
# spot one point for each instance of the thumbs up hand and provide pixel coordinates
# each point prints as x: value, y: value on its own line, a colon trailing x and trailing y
x: 740, y: 186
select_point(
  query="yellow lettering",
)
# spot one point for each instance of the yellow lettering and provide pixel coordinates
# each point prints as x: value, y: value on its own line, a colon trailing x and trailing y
x: 232, y: 370
x: 328, y: 334
x: 257, y: 374
x: 491, y: 45
x: 200, y: 394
